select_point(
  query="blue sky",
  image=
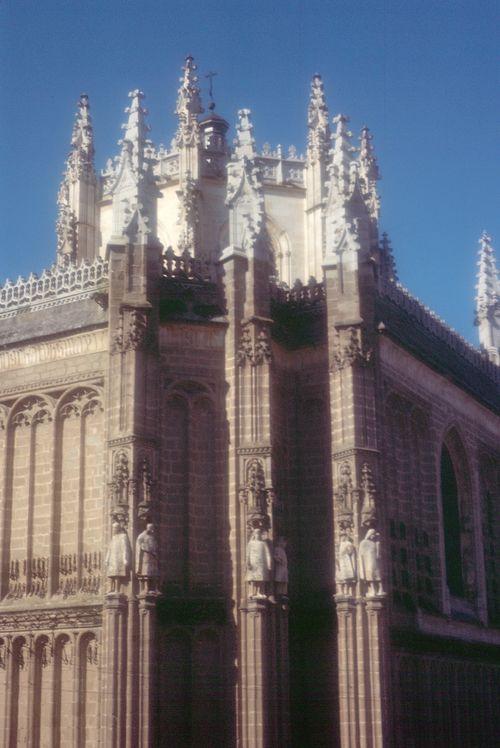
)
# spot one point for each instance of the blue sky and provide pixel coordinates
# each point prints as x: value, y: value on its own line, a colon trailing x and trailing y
x: 423, y: 75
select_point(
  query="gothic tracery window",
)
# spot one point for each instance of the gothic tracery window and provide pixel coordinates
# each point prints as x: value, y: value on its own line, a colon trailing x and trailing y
x: 451, y: 525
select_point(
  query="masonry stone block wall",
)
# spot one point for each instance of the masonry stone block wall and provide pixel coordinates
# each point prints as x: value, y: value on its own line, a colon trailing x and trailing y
x: 239, y: 509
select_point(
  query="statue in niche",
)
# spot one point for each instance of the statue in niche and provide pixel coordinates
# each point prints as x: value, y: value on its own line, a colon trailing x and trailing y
x: 347, y: 565
x: 147, y: 559
x: 370, y: 570
x: 118, y: 557
x: 259, y: 564
x: 281, y: 567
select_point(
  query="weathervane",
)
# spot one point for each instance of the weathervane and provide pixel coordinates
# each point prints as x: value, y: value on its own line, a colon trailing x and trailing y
x: 211, y: 75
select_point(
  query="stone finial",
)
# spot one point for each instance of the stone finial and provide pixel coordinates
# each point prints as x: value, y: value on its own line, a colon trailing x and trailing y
x: 188, y: 105
x: 79, y: 167
x: 244, y: 142
x: 135, y: 131
x: 347, y: 220
x: 81, y: 157
x: 318, y: 139
x: 487, y: 278
x: 134, y: 191
x: 244, y: 195
x: 369, y: 173
x: 388, y: 269
x: 342, y: 154
x: 488, y: 300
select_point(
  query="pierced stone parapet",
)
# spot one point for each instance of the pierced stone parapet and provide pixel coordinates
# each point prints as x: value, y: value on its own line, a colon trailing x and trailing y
x: 186, y: 267
x: 400, y: 295
x: 279, y: 168
x: 57, y: 285
x: 312, y: 293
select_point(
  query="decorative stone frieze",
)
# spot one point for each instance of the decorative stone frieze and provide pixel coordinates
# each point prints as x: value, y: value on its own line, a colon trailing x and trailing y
x: 68, y: 617
x: 349, y: 348
x: 255, y: 343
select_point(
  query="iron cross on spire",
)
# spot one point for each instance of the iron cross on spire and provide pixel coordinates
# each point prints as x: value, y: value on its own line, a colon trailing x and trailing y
x: 211, y: 75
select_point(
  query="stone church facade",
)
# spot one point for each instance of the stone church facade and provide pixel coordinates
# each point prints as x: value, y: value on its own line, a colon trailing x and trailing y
x: 239, y: 509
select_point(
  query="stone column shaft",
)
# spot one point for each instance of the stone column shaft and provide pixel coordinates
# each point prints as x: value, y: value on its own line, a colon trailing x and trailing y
x: 115, y: 607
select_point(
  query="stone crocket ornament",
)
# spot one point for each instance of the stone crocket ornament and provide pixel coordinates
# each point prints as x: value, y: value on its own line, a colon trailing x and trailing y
x: 119, y: 557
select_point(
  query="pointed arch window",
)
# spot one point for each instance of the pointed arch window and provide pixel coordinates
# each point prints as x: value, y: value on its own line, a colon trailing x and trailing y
x: 451, y: 525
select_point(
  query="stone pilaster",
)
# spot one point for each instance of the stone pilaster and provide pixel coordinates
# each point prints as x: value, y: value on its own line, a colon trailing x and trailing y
x: 263, y: 636
x: 114, y: 674
x: 133, y: 465
x: 377, y: 635
x: 147, y: 670
x: 348, y: 677
x: 350, y: 292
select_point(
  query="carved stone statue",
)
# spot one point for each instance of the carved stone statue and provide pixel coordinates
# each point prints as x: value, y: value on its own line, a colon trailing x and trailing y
x: 119, y: 557
x: 347, y: 565
x: 147, y: 558
x: 281, y: 567
x: 259, y: 564
x: 369, y: 562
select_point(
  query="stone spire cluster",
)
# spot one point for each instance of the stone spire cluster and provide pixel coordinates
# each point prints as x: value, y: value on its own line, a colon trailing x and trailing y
x: 318, y: 139
x: 188, y: 105
x: 134, y: 190
x: 244, y: 195
x: 488, y: 299
x: 369, y: 173
x: 352, y: 204
x: 75, y: 226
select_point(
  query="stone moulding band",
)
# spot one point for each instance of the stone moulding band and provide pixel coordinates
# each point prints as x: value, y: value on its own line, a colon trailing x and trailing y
x: 69, y: 282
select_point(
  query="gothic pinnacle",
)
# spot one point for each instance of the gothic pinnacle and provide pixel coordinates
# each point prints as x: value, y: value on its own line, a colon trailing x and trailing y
x: 188, y: 104
x: 342, y: 154
x: 318, y: 140
x: 134, y: 190
x: 367, y: 160
x: 388, y: 269
x: 244, y: 142
x: 136, y: 129
x: 487, y: 278
x: 80, y: 161
x: 369, y: 172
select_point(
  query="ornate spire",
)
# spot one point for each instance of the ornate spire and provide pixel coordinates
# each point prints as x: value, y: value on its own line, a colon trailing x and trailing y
x: 244, y: 188
x: 346, y: 213
x: 66, y: 227
x: 134, y: 141
x: 318, y: 140
x: 244, y: 142
x: 188, y: 105
x: 341, y: 170
x: 488, y: 288
x: 80, y: 161
x: 369, y: 173
x: 134, y: 191
x: 388, y: 269
x: 79, y: 169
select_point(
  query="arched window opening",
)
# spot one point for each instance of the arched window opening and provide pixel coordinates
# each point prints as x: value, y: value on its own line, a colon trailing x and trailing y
x: 451, y: 526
